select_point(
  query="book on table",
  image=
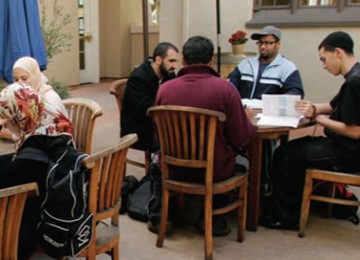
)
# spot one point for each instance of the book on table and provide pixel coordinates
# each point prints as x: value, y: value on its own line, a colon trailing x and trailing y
x: 279, y: 110
x: 252, y: 103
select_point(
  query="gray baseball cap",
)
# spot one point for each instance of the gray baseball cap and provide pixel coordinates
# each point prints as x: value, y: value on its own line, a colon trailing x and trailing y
x: 267, y: 30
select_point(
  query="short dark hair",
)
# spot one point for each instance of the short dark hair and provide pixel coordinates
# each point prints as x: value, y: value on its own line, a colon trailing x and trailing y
x: 162, y: 48
x: 337, y: 39
x: 198, y: 50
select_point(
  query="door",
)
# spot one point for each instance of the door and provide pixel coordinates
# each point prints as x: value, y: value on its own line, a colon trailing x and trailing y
x: 89, y: 41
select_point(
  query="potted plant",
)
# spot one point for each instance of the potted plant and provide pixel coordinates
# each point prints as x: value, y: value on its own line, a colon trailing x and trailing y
x: 237, y: 41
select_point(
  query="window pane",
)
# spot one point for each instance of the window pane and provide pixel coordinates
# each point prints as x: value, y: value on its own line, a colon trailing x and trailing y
x: 267, y: 2
x: 282, y: 2
x: 318, y: 2
x: 274, y: 2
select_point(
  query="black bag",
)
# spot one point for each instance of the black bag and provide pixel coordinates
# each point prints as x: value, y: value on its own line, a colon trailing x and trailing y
x: 344, y: 211
x: 137, y: 206
x: 154, y: 205
x: 128, y: 186
x: 65, y: 226
x: 145, y: 202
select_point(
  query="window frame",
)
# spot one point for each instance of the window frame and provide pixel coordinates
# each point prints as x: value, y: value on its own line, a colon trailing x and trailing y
x: 295, y: 15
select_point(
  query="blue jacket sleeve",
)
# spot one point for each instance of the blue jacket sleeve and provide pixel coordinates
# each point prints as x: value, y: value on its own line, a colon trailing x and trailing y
x: 235, y: 78
x: 293, y: 84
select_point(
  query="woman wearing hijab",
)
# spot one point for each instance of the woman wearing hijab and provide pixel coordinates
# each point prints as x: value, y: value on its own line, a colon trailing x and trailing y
x: 44, y: 134
x: 26, y: 71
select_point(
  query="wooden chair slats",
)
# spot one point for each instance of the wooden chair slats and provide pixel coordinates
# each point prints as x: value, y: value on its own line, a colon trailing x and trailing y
x: 83, y: 113
x: 12, y: 202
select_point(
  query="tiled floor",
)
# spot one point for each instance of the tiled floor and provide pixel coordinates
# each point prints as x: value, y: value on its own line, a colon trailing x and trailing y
x: 325, y: 238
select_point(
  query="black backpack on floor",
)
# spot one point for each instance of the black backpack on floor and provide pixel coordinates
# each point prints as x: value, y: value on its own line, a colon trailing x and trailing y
x: 137, y: 206
x: 145, y: 202
x: 128, y: 186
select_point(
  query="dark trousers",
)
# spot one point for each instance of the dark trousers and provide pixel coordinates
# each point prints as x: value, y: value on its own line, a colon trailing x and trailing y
x: 19, y: 172
x: 290, y: 162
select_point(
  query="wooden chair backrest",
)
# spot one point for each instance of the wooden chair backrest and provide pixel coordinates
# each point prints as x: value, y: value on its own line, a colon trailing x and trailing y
x: 83, y: 113
x: 187, y: 136
x: 12, y: 202
x: 107, y: 170
x: 117, y: 88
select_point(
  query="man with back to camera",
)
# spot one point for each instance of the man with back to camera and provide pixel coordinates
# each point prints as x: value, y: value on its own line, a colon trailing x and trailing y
x: 140, y: 93
x: 267, y: 73
x: 198, y: 85
x: 338, y: 150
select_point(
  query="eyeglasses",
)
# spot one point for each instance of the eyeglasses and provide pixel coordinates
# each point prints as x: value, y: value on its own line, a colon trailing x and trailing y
x: 267, y: 43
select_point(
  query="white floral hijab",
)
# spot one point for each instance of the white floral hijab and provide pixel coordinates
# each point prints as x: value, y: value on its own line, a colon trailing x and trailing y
x: 24, y: 109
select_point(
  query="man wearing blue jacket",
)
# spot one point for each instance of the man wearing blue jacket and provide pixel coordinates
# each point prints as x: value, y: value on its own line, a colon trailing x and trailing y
x: 269, y: 72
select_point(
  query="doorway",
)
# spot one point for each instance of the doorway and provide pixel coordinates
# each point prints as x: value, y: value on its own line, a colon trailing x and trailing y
x: 88, y: 41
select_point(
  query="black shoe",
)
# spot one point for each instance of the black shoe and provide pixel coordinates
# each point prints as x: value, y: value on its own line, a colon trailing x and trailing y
x: 279, y: 224
x: 154, y: 228
x: 220, y: 225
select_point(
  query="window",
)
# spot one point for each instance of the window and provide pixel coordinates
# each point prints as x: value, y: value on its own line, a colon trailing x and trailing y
x: 265, y: 3
x: 305, y: 13
x: 275, y: 2
x: 318, y: 2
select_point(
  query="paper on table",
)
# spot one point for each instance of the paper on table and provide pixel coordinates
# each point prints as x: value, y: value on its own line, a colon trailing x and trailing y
x: 279, y: 110
x: 252, y: 103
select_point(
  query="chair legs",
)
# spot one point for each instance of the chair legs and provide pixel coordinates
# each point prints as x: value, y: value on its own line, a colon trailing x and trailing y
x: 147, y: 161
x: 241, y: 220
x: 163, y: 221
x: 331, y: 193
x: 305, y: 205
x: 208, y: 218
x: 208, y: 227
x: 145, y: 165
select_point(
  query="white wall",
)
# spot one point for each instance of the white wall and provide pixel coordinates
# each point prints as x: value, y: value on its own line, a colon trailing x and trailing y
x: 65, y: 66
x: 181, y: 19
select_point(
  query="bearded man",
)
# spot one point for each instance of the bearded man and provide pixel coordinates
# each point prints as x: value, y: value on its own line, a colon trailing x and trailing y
x: 140, y: 93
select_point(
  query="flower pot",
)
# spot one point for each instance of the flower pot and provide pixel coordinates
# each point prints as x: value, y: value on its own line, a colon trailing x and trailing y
x: 238, y: 49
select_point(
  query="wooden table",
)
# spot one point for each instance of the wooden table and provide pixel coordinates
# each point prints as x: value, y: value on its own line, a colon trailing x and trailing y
x: 262, y: 133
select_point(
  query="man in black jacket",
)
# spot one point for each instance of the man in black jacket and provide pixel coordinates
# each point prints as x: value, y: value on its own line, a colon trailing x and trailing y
x: 140, y: 93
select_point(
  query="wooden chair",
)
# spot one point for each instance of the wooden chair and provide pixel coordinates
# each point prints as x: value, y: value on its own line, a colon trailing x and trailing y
x: 117, y: 88
x: 106, y: 176
x: 314, y: 175
x: 187, y: 139
x: 12, y: 202
x: 83, y: 113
